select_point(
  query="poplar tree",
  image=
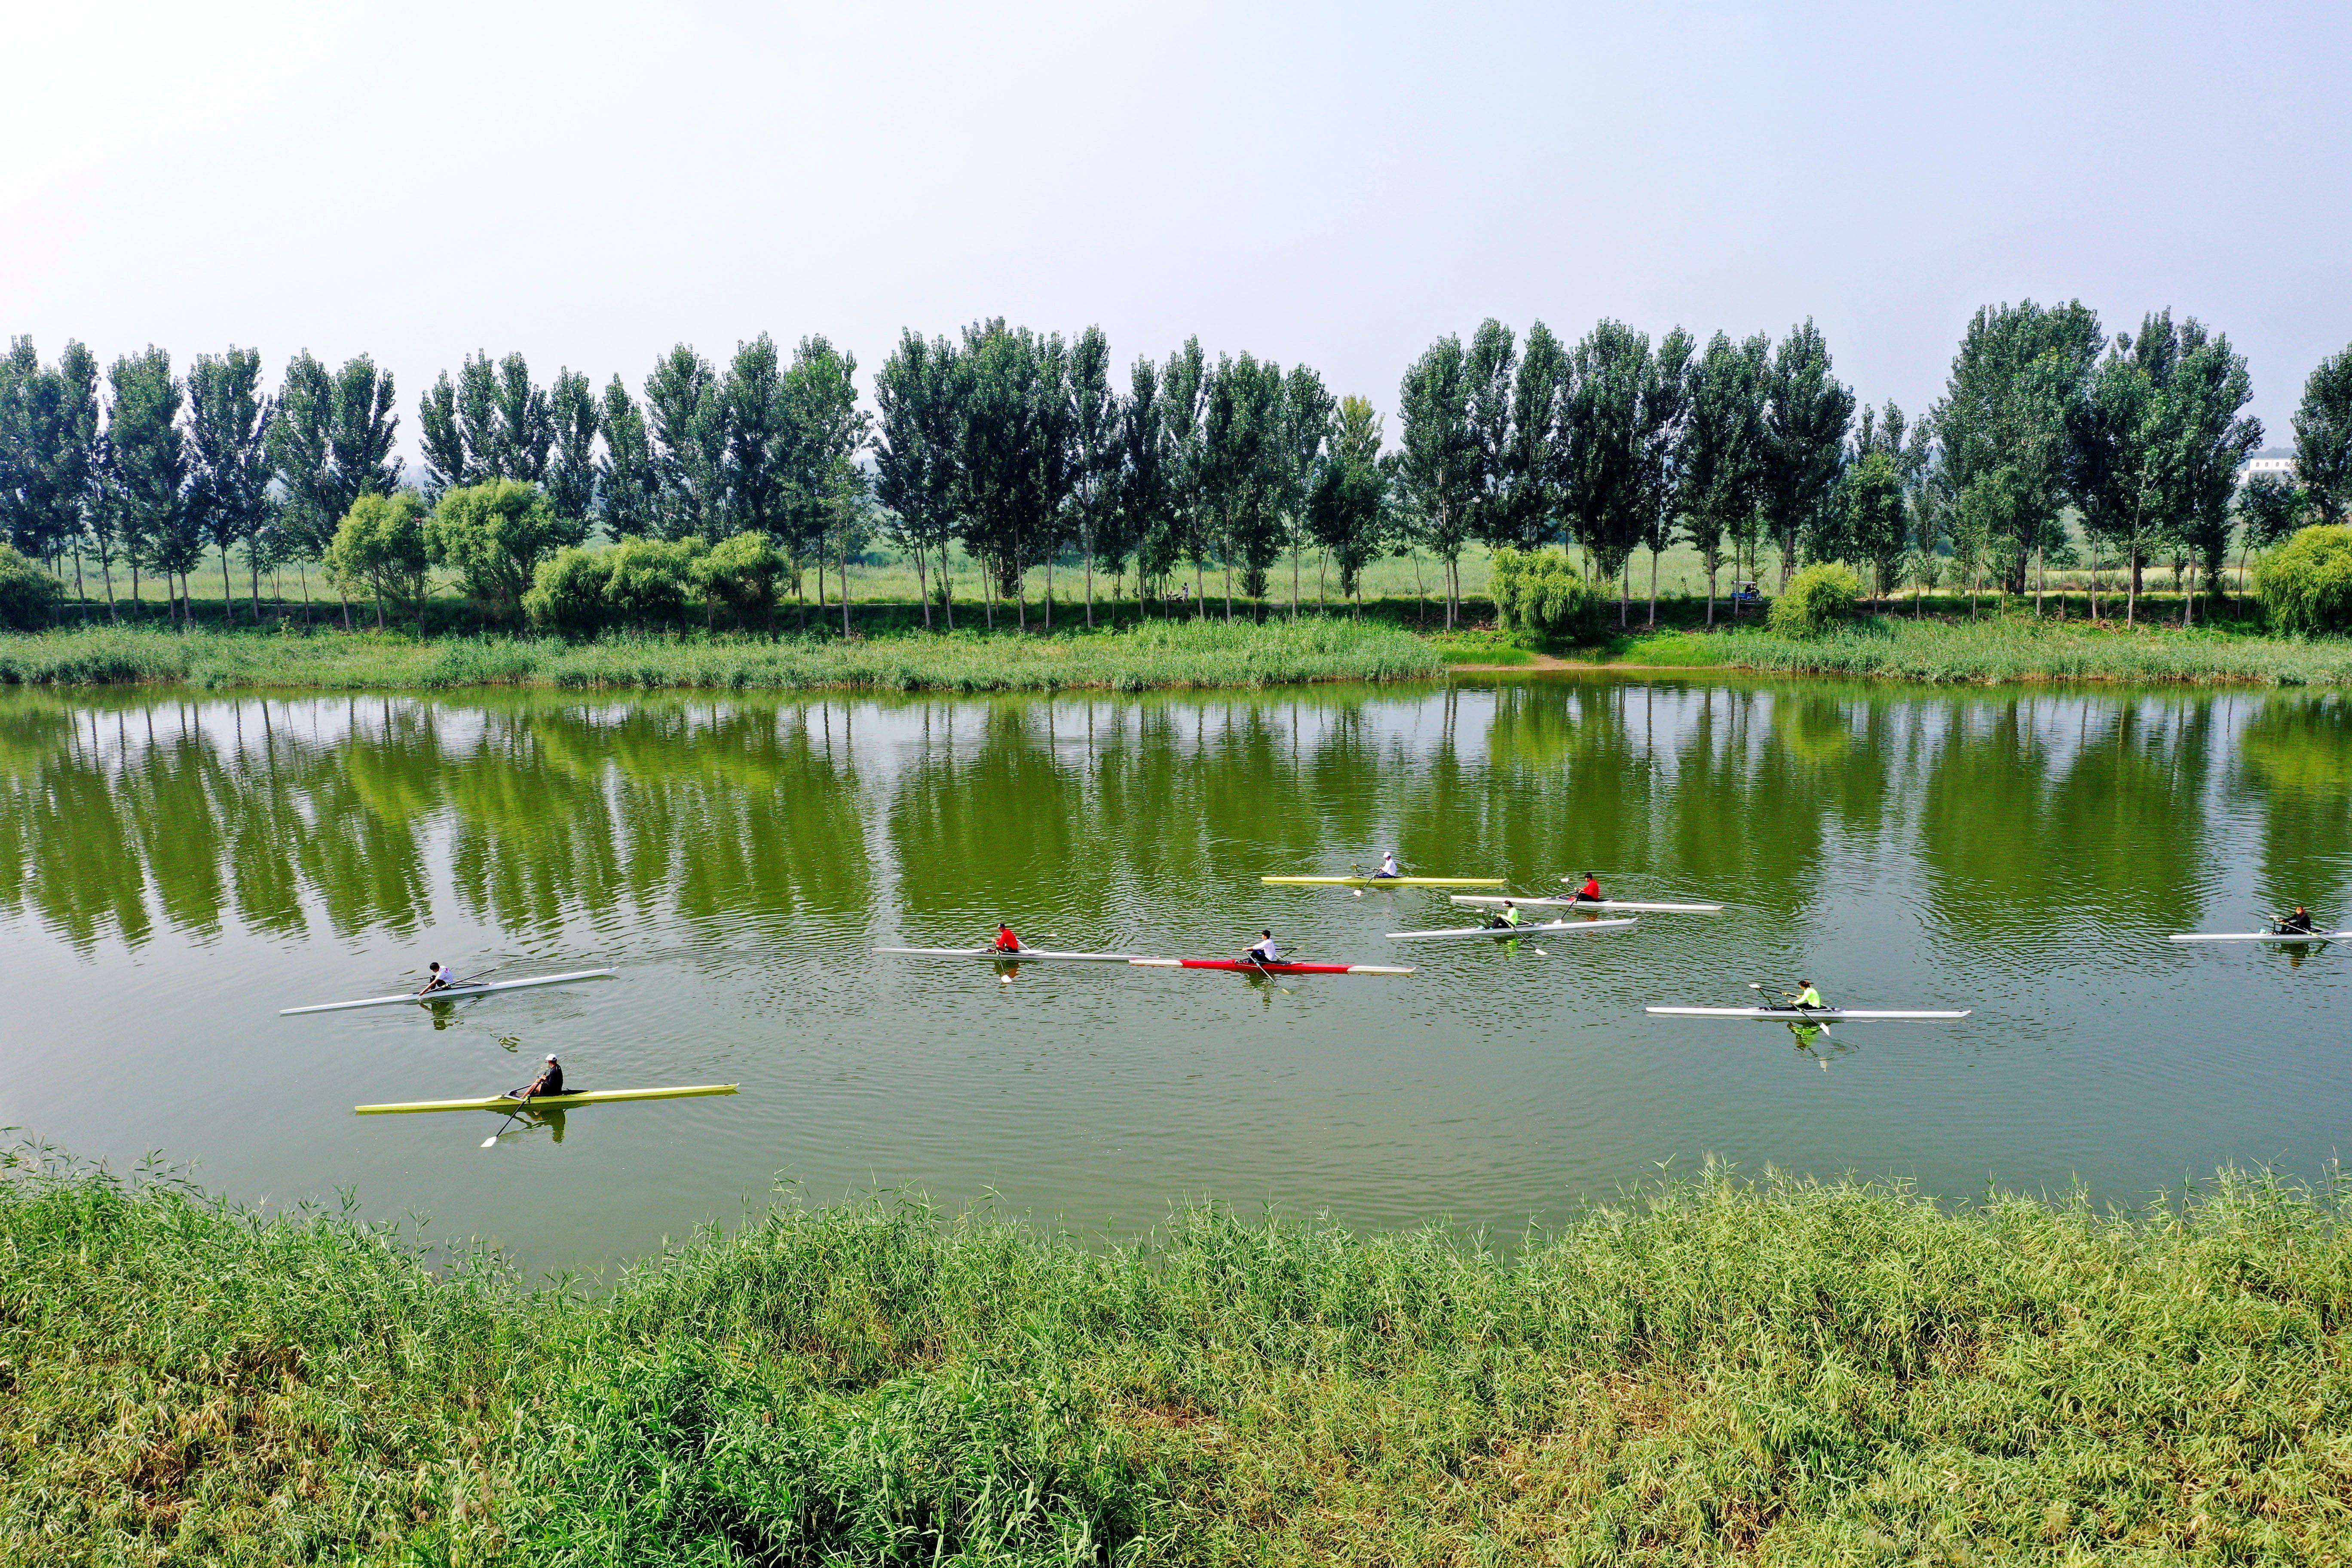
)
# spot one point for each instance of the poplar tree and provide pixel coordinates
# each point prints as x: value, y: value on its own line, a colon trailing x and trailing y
x: 1532, y: 510
x: 2323, y: 437
x: 1142, y: 509
x: 147, y: 467
x: 1606, y: 455
x: 1183, y: 390
x: 689, y: 426
x: 1441, y: 464
x: 572, y: 467
x: 915, y: 456
x: 1349, y: 506
x: 821, y: 431
x: 1306, y: 410
x: 628, y: 482
x: 1719, y: 470
x: 1806, y: 411
x: 1094, y: 437
x: 229, y: 472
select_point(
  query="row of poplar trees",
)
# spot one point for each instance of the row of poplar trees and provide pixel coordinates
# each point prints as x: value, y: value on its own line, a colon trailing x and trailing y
x: 1023, y: 449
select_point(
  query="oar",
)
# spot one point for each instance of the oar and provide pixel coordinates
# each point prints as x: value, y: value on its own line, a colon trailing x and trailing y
x: 492, y: 1139
x: 1792, y: 996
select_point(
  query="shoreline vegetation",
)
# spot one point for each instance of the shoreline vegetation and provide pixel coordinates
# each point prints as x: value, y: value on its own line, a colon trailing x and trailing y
x: 1392, y: 644
x: 1776, y: 1369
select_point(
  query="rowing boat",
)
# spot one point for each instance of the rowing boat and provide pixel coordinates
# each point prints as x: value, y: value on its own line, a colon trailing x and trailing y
x: 451, y: 993
x: 1807, y: 1015
x: 546, y: 1102
x: 1389, y: 881
x: 2265, y: 936
x: 1616, y: 906
x: 1247, y: 967
x: 1462, y: 934
x: 1022, y: 955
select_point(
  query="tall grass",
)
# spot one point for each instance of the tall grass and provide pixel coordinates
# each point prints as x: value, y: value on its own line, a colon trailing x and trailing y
x: 1780, y: 1370
x: 2011, y: 648
x: 1161, y: 654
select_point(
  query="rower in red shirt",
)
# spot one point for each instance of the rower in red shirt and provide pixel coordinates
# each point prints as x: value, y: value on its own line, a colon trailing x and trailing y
x: 1590, y: 892
x: 1005, y: 940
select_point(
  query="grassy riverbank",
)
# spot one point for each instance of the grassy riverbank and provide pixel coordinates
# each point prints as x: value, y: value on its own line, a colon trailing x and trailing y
x: 2011, y: 649
x: 1778, y: 1372
x: 1388, y: 644
x: 1161, y: 654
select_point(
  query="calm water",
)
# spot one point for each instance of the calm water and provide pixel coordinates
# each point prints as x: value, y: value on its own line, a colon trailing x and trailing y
x: 173, y: 870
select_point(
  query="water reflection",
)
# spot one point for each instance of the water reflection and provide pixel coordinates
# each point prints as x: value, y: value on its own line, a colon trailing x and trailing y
x: 124, y: 816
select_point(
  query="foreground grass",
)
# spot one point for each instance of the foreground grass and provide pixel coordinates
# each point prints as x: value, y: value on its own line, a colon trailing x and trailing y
x: 2011, y: 648
x: 1161, y: 654
x: 1780, y: 1371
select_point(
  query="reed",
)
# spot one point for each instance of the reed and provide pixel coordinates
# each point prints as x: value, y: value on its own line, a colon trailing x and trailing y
x: 1785, y: 1370
x: 2009, y: 649
x: 1157, y: 654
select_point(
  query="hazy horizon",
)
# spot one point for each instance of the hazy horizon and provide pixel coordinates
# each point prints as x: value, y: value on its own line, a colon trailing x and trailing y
x: 1333, y: 185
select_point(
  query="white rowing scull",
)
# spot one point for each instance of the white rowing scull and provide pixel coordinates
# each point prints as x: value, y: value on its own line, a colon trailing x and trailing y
x: 1614, y: 906
x: 1546, y: 928
x: 1020, y: 956
x: 1811, y: 1014
x: 450, y: 993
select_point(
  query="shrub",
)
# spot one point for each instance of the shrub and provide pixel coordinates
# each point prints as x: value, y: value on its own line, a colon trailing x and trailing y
x: 2305, y: 584
x: 380, y: 546
x: 740, y: 573
x: 1538, y: 591
x: 1815, y: 599
x: 495, y: 534
x: 567, y: 592
x: 651, y: 581
x: 29, y: 596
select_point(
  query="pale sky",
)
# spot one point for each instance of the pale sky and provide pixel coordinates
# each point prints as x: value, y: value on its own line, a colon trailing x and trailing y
x: 592, y: 183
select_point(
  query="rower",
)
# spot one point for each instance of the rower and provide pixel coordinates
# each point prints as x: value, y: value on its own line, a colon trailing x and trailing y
x: 1807, y: 996
x: 1005, y: 940
x: 1508, y: 918
x: 1590, y: 892
x: 1387, y: 866
x: 1263, y: 950
x: 438, y: 978
x: 2298, y: 923
x: 549, y: 1082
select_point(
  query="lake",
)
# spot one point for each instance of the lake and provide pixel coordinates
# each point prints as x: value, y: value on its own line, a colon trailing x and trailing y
x: 176, y: 866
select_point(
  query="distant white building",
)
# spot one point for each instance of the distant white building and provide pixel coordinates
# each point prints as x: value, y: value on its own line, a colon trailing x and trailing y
x: 2279, y: 460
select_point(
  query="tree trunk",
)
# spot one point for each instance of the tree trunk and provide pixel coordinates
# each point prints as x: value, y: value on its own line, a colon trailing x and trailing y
x: 2041, y: 578
x: 228, y: 594
x: 1294, y: 581
x: 1653, y: 589
x: 2131, y: 590
x: 845, y: 583
x: 1710, y: 589
x: 1090, y: 580
x: 923, y: 587
x: 256, y: 565
x: 1229, y: 587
